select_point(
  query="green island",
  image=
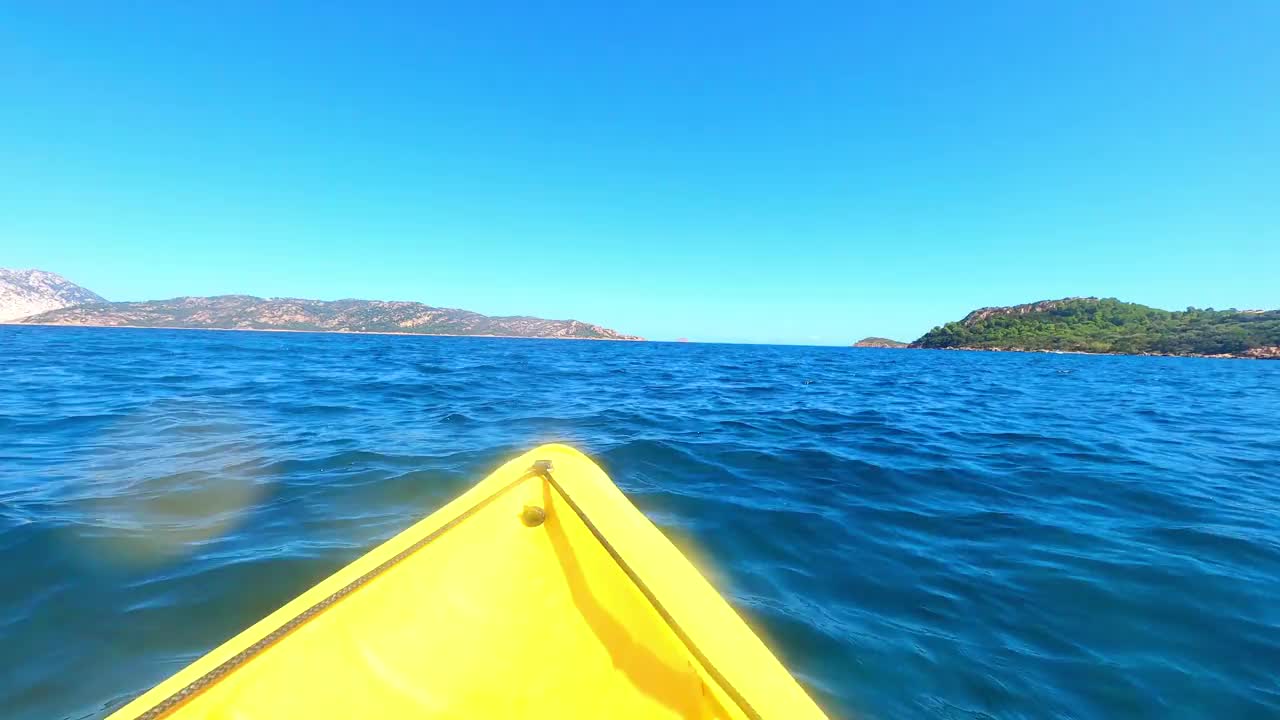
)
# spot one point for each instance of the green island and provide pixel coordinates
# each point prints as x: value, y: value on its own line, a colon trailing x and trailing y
x: 1108, y: 325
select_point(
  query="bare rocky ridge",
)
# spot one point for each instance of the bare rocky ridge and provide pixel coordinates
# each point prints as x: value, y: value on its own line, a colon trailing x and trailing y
x: 245, y: 312
x: 24, y: 293
x: 1042, y: 306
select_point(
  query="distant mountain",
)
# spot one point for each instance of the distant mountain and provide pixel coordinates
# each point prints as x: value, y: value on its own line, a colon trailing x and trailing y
x: 29, y: 292
x: 245, y: 312
x: 879, y: 342
x: 1111, y: 326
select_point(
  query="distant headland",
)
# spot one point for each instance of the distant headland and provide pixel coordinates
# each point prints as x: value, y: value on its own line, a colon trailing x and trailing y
x: 1108, y: 326
x: 1069, y: 325
x: 36, y: 297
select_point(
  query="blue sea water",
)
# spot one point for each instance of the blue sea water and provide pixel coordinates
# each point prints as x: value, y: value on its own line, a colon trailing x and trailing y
x: 916, y: 533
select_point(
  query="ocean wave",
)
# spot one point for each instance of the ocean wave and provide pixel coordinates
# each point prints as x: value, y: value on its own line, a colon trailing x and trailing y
x: 916, y: 533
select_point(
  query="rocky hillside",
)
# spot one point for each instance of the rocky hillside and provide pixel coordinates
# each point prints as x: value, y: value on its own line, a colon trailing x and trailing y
x: 29, y: 292
x: 1111, y: 326
x: 879, y: 342
x: 245, y: 312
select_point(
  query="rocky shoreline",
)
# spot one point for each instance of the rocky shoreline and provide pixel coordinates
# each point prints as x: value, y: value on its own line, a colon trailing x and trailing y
x: 1263, y: 353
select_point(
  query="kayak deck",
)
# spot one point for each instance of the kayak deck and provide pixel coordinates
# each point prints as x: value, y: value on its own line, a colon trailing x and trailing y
x: 540, y: 593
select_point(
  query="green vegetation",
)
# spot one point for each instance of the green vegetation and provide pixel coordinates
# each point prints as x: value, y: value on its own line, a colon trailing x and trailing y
x: 1110, y: 326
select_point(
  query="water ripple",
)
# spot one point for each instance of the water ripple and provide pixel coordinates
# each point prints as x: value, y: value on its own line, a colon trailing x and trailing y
x: 939, y: 534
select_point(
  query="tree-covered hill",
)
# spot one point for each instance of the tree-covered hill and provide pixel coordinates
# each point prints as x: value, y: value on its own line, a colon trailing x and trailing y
x: 1112, y: 326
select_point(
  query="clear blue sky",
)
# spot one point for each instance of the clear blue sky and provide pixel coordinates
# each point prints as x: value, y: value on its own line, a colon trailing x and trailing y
x: 789, y: 172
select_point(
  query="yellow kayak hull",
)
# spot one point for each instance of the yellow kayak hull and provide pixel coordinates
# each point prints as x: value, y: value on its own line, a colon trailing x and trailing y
x: 542, y: 592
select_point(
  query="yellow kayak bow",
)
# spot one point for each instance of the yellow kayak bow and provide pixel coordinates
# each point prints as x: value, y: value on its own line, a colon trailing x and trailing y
x: 542, y: 592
